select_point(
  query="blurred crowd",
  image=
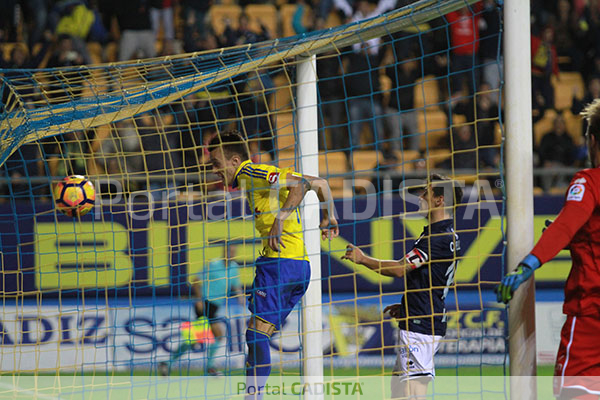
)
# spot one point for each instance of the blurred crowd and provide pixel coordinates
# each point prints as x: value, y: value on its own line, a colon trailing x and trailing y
x: 368, y: 89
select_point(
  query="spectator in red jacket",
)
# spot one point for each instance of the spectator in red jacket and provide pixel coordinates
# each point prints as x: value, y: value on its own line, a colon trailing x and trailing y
x: 544, y: 64
x: 464, y: 36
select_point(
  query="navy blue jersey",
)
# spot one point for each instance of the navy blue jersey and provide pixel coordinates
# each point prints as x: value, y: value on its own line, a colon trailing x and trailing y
x: 434, y: 259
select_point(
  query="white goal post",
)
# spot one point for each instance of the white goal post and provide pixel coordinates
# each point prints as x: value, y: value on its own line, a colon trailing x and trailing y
x: 519, y: 192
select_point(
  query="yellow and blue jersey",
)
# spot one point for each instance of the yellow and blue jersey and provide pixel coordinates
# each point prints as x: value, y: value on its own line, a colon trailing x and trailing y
x: 267, y: 193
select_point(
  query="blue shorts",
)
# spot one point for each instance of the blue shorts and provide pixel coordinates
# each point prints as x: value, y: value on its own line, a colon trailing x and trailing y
x: 278, y: 286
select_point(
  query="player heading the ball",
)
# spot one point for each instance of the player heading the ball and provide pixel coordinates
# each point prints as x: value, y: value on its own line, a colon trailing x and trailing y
x: 428, y: 270
x: 282, y: 271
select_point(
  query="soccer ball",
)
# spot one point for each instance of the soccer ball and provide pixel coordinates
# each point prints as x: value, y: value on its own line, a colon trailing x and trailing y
x: 74, y: 196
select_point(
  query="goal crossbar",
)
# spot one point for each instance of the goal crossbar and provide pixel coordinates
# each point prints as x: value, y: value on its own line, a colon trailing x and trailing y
x: 25, y: 119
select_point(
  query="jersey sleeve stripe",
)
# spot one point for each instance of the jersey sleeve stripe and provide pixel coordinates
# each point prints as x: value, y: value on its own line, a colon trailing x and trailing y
x: 249, y: 170
x: 255, y: 172
x: 246, y: 173
x: 251, y: 174
x: 259, y: 170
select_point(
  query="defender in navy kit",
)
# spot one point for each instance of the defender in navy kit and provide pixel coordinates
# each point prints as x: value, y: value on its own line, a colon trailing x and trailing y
x: 428, y: 270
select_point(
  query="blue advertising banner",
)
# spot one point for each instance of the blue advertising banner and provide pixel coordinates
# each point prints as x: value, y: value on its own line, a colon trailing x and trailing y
x: 138, y: 335
x: 131, y: 250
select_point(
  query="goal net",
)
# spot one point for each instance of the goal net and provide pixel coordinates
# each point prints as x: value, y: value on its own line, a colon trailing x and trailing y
x: 113, y: 294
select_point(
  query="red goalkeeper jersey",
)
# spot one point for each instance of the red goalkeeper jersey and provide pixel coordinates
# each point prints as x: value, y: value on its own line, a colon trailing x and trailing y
x: 578, y: 225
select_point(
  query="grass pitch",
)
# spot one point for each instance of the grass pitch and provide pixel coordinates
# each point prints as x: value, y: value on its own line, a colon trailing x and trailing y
x: 487, y: 382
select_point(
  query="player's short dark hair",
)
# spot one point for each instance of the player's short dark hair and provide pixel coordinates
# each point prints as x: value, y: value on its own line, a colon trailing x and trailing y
x: 444, y: 186
x: 232, y: 142
x: 591, y: 113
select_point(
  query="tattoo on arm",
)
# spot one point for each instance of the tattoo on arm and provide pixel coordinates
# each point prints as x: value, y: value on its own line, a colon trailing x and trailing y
x: 306, y: 185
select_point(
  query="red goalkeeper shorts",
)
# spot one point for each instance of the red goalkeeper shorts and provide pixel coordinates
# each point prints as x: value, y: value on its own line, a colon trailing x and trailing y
x: 577, y: 370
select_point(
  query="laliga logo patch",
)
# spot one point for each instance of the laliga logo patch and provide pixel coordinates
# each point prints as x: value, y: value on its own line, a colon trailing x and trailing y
x: 273, y: 177
x: 576, y: 192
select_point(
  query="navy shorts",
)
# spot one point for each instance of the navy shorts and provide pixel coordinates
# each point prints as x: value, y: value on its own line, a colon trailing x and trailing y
x: 278, y: 286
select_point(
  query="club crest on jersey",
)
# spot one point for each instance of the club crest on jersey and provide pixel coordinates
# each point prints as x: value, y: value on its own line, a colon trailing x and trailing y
x: 576, y: 192
x: 273, y: 177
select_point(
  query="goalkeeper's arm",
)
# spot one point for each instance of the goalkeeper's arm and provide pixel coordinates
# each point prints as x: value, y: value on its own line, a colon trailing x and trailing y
x: 554, y: 239
x: 197, y: 289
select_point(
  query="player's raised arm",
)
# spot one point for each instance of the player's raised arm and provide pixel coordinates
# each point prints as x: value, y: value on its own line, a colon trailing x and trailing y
x: 298, y: 185
x: 383, y: 267
x: 329, y: 225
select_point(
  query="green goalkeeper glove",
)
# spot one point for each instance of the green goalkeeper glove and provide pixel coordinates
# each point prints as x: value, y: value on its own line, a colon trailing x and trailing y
x: 511, y: 282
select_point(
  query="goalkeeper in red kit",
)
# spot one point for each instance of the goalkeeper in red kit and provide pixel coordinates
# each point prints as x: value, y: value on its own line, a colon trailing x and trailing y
x: 577, y: 370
